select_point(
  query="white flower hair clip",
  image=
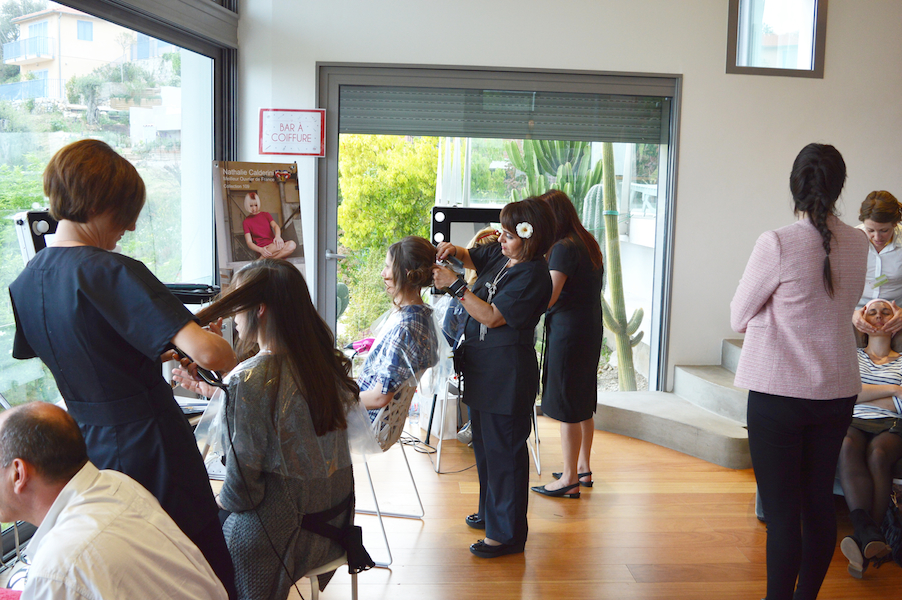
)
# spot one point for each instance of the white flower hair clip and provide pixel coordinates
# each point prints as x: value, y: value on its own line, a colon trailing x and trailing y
x: 524, y: 230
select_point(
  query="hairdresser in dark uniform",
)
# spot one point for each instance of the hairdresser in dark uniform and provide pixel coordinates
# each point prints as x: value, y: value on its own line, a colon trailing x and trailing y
x: 501, y: 374
x: 100, y: 321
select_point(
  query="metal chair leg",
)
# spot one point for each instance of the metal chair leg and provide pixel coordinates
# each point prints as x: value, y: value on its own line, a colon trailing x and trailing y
x: 379, y: 513
x: 534, y: 448
x: 441, y: 428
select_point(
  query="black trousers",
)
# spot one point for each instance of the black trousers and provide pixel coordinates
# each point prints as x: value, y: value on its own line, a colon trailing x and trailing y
x: 502, y: 461
x: 794, y: 444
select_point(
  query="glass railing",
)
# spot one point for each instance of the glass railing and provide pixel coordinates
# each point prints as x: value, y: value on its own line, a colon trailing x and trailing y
x: 33, y: 46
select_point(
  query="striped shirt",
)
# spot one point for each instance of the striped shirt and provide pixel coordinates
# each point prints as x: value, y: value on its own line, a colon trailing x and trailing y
x: 885, y: 374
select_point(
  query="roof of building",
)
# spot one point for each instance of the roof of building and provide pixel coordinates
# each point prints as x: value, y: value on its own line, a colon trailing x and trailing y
x: 54, y: 8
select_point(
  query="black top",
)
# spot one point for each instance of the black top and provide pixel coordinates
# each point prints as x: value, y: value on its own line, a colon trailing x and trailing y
x: 522, y: 296
x: 100, y: 322
x: 582, y: 290
x: 501, y: 375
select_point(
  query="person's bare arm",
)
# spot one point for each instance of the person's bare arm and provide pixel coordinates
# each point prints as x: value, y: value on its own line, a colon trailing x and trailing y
x: 558, y: 279
x: 871, y: 392
x: 207, y: 349
x: 276, y: 235
x: 885, y: 402
x: 373, y: 399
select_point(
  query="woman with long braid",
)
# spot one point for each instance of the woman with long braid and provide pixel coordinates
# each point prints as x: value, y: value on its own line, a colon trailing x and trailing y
x: 799, y: 362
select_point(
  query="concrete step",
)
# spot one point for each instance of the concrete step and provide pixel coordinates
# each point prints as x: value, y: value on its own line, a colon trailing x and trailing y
x: 667, y: 420
x: 729, y: 354
x: 711, y: 387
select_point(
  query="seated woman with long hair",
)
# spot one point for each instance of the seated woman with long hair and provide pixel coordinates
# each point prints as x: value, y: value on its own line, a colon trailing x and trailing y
x: 873, y: 443
x: 285, y: 421
x: 407, y: 344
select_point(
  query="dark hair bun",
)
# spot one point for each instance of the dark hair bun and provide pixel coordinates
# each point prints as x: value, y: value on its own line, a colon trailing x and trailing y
x: 420, y: 277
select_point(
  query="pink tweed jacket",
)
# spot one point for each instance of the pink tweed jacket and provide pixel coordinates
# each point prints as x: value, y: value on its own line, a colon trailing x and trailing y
x: 798, y: 340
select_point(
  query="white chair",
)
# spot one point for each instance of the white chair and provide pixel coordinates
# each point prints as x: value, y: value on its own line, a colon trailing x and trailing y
x: 387, y: 429
x: 331, y: 566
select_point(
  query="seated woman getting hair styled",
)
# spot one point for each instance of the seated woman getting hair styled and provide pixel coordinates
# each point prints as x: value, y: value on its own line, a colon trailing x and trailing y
x: 873, y: 443
x: 285, y: 420
x: 407, y: 343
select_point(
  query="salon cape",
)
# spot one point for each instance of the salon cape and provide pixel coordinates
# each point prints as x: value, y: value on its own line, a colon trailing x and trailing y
x: 267, y: 422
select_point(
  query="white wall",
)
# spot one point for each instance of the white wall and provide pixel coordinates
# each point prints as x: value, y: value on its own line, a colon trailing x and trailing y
x: 738, y: 134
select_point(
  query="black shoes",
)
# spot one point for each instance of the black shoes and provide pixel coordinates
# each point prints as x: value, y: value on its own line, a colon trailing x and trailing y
x: 578, y: 476
x: 475, y: 521
x: 564, y: 492
x: 483, y: 550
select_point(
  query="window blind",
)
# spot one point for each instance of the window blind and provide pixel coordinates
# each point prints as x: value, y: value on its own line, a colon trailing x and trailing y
x: 391, y: 110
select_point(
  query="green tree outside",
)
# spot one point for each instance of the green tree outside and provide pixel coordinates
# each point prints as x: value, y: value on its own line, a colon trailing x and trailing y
x: 387, y: 190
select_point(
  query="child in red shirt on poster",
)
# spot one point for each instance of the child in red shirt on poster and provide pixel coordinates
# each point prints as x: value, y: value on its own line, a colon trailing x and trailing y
x: 262, y: 233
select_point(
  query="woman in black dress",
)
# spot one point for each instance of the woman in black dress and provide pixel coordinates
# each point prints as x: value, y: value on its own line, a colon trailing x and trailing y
x: 501, y: 374
x: 101, y: 321
x: 573, y: 344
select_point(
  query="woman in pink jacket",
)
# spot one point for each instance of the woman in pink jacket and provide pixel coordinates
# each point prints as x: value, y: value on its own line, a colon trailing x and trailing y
x: 799, y: 362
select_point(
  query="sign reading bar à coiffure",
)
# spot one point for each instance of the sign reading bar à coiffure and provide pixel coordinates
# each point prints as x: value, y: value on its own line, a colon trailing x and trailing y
x: 293, y: 131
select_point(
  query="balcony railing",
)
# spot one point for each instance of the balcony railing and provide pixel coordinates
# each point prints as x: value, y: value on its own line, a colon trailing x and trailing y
x: 35, y: 88
x: 33, y: 47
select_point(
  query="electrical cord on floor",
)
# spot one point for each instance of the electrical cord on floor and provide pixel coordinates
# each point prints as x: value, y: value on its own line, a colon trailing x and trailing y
x: 422, y: 447
x: 416, y: 443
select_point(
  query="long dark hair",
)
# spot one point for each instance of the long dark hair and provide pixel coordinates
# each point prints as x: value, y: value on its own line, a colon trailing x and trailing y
x: 296, y: 333
x: 568, y: 225
x: 817, y: 178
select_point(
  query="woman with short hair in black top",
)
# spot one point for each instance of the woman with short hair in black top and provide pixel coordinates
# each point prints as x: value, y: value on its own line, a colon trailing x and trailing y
x: 500, y: 370
x: 101, y: 321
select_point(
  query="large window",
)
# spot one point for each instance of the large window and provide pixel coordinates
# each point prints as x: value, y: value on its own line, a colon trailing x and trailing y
x: 402, y: 140
x: 161, y: 93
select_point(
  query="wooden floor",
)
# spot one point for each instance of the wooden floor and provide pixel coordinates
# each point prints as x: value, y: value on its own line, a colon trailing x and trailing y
x: 657, y: 524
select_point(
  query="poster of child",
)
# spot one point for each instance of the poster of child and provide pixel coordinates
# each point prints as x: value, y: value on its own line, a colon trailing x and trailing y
x: 261, y: 233
x: 257, y: 213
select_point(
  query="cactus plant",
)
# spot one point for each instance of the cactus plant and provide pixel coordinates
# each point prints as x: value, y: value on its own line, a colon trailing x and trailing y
x: 614, y: 314
x: 593, y: 213
x: 566, y: 162
x: 594, y: 196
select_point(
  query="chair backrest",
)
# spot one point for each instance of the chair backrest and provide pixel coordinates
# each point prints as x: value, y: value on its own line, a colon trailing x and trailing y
x: 389, y: 423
